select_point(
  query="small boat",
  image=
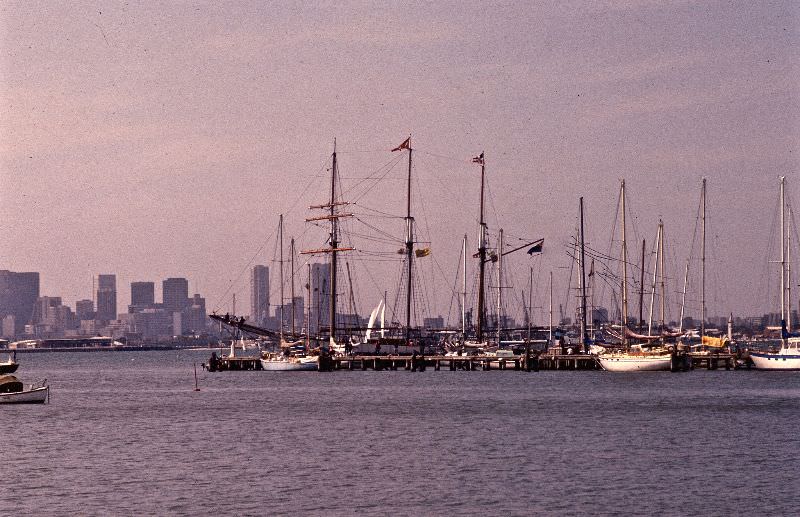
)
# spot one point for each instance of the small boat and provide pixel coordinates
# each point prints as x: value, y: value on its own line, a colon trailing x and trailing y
x: 278, y: 362
x: 637, y: 359
x: 8, y: 366
x: 12, y: 391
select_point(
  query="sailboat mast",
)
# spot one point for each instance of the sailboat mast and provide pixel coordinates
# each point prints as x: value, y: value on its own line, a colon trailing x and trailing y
x: 703, y: 267
x: 280, y: 274
x: 641, y: 289
x: 464, y: 291
x: 334, y: 245
x: 550, y: 335
x: 530, y: 304
x: 653, y: 286
x: 291, y: 251
x: 481, y: 256
x: 583, y: 285
x: 661, y: 267
x: 789, y: 273
x: 409, y: 251
x: 683, y: 298
x: 499, y: 286
x: 624, y: 273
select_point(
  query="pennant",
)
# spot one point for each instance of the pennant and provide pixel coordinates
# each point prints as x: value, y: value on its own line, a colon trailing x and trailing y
x: 423, y: 252
x: 536, y: 248
x: 405, y: 145
x: 478, y: 159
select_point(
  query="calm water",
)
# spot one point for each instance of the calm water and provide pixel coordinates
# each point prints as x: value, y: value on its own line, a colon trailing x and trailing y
x: 125, y: 434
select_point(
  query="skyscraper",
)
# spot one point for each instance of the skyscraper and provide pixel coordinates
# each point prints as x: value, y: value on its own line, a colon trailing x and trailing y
x: 84, y: 310
x: 18, y: 295
x: 259, y: 294
x: 143, y: 294
x: 320, y: 296
x: 196, y: 319
x: 175, y: 292
x: 106, y: 297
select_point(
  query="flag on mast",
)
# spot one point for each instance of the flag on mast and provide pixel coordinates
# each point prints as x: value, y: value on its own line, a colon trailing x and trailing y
x: 405, y: 145
x: 478, y: 159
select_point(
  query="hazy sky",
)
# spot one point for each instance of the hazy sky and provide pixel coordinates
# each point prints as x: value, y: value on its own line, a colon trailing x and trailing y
x: 163, y: 139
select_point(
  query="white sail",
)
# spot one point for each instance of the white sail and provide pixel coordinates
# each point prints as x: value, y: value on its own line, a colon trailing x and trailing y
x: 372, y: 316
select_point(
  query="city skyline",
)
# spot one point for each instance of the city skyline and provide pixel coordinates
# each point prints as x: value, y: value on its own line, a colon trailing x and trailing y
x: 168, y: 135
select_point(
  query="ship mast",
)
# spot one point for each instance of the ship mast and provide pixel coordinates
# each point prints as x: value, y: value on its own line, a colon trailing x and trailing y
x: 783, y: 256
x: 280, y: 275
x: 624, y: 272
x: 409, y: 252
x: 291, y: 251
x: 550, y: 313
x: 703, y: 266
x: 499, y: 286
x: 464, y: 292
x: 789, y: 272
x: 663, y: 284
x: 334, y: 243
x: 584, y: 343
x: 481, y: 254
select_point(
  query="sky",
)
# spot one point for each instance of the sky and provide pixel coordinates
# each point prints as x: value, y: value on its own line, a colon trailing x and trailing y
x: 156, y: 140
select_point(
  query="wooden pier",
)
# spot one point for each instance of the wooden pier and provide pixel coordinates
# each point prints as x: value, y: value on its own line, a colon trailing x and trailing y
x: 468, y: 363
x: 712, y: 361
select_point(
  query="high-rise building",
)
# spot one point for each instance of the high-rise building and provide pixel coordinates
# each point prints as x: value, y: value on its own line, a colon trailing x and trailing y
x: 286, y: 312
x: 320, y: 296
x: 259, y: 295
x: 106, y: 297
x: 196, y: 318
x: 84, y: 310
x: 18, y: 295
x: 143, y: 294
x: 175, y: 292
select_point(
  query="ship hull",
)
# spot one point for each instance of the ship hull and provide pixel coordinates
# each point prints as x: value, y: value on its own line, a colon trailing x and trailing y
x: 622, y: 363
x: 779, y: 361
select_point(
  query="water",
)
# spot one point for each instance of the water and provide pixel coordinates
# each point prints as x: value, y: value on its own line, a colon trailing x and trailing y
x: 126, y: 434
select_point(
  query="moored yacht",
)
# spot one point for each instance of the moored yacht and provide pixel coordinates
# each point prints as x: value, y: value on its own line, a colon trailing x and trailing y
x: 787, y: 358
x: 636, y: 359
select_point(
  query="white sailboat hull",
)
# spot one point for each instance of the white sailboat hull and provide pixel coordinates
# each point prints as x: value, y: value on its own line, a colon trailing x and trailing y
x: 628, y: 363
x: 32, y: 396
x: 779, y: 361
x: 293, y: 365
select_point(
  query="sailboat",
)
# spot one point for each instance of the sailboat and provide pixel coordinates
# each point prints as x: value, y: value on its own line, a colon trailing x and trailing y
x: 288, y: 358
x: 637, y: 357
x: 788, y: 357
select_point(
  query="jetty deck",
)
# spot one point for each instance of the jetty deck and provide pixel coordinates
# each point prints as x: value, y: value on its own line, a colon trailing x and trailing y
x: 533, y: 363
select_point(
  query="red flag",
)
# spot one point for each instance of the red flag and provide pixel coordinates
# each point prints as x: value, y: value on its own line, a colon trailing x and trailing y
x: 478, y: 159
x: 405, y: 145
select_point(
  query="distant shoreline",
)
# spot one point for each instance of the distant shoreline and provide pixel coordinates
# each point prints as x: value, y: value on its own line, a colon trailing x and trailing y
x: 143, y: 348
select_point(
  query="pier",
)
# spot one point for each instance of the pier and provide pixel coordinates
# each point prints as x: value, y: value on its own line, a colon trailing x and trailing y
x: 469, y: 363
